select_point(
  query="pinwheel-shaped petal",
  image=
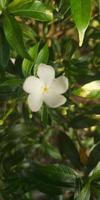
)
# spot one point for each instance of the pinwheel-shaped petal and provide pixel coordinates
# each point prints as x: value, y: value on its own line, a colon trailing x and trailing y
x: 45, y: 88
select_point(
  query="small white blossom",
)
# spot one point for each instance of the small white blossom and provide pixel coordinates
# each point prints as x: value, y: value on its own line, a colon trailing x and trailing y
x: 45, y: 88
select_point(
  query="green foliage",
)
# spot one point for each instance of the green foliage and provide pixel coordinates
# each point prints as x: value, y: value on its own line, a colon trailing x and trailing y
x: 4, y: 50
x: 54, y: 151
x: 67, y: 146
x: 27, y: 65
x: 43, y: 55
x: 81, y: 11
x: 85, y: 193
x: 14, y: 36
x: 36, y: 10
x: 90, y: 90
x: 2, y: 3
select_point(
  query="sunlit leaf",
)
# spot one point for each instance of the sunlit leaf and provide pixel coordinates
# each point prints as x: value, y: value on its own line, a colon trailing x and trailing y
x: 81, y: 11
x: 3, y: 3
x: 36, y: 10
x: 17, y: 3
x: 90, y: 90
x: 85, y: 193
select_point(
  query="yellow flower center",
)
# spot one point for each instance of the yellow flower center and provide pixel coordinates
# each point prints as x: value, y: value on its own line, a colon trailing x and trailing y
x: 45, y: 89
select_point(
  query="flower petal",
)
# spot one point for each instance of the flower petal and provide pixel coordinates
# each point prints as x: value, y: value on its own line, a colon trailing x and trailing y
x: 60, y: 85
x: 32, y: 83
x: 54, y: 100
x: 35, y: 101
x: 46, y: 73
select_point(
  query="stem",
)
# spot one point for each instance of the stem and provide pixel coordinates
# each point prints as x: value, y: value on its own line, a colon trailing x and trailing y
x: 6, y: 116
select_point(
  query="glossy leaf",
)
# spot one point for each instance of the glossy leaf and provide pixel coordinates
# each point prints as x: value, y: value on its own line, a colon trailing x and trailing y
x: 95, y: 174
x: 47, y: 188
x: 43, y: 55
x: 94, y: 179
x: 81, y: 11
x: 17, y: 3
x: 67, y: 148
x: 27, y: 65
x: 12, y: 81
x: 4, y: 50
x: 33, y: 163
x: 52, y: 151
x: 64, y: 7
x: 82, y: 121
x: 52, y: 179
x: 3, y: 3
x: 28, y: 32
x: 14, y: 36
x: 36, y: 10
x: 94, y: 157
x: 10, y: 88
x: 85, y: 193
x: 56, y: 175
x: 90, y: 90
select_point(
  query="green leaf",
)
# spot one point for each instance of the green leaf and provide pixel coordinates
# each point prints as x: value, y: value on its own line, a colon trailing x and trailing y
x: 28, y: 32
x: 94, y: 179
x: 27, y: 65
x: 56, y: 175
x: 81, y: 11
x: 43, y: 55
x: 94, y: 157
x: 4, y: 50
x: 12, y: 81
x: 95, y: 94
x: 64, y: 7
x: 10, y: 88
x: 3, y: 3
x: 14, y: 36
x: 52, y: 151
x: 85, y: 193
x: 50, y: 179
x: 95, y: 174
x: 37, y: 10
x: 47, y: 187
x: 17, y: 3
x: 82, y: 121
x: 67, y: 147
x: 90, y: 90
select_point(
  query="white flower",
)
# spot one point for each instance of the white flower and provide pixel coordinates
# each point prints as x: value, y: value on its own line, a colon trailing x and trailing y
x: 46, y: 88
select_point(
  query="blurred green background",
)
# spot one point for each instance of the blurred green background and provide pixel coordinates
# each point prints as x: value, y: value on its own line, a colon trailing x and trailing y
x: 65, y: 137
